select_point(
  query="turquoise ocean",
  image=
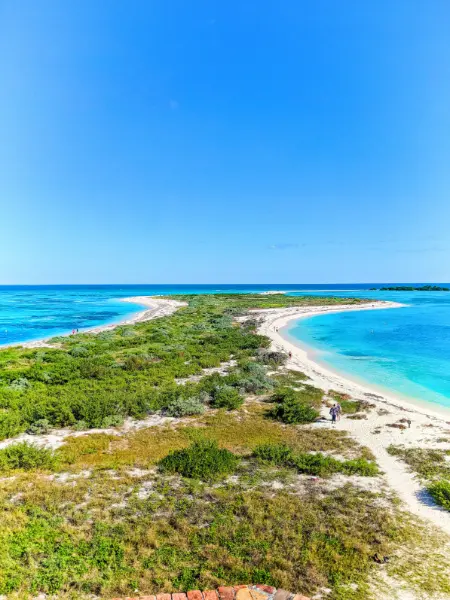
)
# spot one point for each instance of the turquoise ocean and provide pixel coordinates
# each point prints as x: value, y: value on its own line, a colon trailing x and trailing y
x: 405, y: 350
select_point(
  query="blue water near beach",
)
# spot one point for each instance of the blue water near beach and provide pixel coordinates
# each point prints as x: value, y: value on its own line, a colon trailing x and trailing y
x: 406, y: 350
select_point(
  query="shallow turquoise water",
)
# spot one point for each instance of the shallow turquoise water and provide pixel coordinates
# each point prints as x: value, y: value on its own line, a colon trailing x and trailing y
x: 406, y: 350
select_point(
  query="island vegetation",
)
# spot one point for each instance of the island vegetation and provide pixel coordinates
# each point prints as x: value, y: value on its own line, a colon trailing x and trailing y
x: 190, y: 462
x: 407, y: 288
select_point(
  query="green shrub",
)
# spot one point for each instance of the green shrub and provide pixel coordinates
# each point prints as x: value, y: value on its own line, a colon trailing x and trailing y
x: 40, y: 427
x: 282, y: 455
x: 252, y: 378
x: 20, y: 385
x: 80, y: 426
x: 293, y: 411
x: 181, y: 407
x: 78, y: 351
x: 26, y: 456
x: 440, y: 492
x: 202, y: 460
x: 272, y: 357
x: 275, y: 454
x: 228, y: 397
x: 112, y: 421
x: 360, y: 466
x: 11, y: 424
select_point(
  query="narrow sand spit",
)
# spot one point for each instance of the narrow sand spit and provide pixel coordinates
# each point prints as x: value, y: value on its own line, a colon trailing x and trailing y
x: 427, y: 430
x: 157, y: 307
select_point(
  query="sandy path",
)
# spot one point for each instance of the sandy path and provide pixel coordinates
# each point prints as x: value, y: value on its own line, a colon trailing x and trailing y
x: 428, y: 426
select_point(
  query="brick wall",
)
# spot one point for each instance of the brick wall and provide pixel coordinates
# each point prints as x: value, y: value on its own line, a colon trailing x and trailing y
x: 238, y: 592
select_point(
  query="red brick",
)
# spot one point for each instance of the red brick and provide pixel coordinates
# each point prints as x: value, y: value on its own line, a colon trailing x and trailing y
x: 257, y: 594
x: 226, y: 593
x: 282, y: 595
x: 179, y: 596
x: 239, y: 587
x: 210, y: 595
x: 194, y: 595
x: 163, y: 597
x: 147, y: 597
x: 266, y: 588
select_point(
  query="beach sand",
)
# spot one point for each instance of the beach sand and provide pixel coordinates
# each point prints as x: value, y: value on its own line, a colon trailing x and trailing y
x: 429, y: 425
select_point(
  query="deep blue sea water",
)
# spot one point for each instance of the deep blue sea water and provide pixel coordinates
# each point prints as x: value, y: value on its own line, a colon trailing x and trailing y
x: 406, y: 350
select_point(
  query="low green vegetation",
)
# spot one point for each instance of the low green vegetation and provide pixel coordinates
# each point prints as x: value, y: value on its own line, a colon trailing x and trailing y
x: 428, y: 464
x: 313, y: 464
x: 26, y: 457
x: 294, y: 406
x: 440, y: 491
x: 432, y: 466
x: 202, y: 460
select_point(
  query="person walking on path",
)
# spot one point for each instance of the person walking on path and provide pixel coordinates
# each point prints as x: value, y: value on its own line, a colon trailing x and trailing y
x: 334, y: 414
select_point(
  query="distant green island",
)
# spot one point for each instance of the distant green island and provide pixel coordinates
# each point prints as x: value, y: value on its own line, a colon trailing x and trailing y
x: 407, y: 288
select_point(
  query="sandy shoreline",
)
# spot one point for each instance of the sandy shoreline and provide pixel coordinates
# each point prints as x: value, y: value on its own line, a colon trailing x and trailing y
x: 156, y: 307
x: 430, y: 428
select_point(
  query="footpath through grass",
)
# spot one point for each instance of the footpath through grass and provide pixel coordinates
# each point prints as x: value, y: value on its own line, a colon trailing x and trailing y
x: 432, y: 466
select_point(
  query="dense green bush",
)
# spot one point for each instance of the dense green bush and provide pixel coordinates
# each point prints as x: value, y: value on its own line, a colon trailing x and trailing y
x: 79, y: 350
x: 228, y: 397
x: 26, y: 456
x: 40, y: 427
x: 272, y: 357
x: 275, y: 454
x: 19, y: 385
x: 181, y: 407
x: 202, y: 460
x: 440, y: 492
x: 291, y: 408
x: 112, y: 421
x: 11, y: 424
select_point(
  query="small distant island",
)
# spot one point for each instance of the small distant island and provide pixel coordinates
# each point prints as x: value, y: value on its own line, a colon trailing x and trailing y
x: 407, y: 288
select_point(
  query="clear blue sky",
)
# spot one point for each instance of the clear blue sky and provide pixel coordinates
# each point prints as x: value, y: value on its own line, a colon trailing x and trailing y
x: 237, y: 141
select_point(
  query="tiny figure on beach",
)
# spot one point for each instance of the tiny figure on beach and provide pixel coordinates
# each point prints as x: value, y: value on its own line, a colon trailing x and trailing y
x: 339, y: 411
x: 334, y: 414
x: 290, y: 354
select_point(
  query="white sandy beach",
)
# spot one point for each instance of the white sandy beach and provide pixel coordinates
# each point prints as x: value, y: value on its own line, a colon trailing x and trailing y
x: 429, y: 426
